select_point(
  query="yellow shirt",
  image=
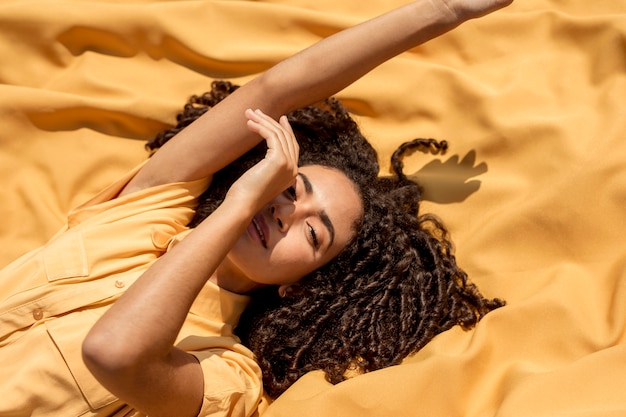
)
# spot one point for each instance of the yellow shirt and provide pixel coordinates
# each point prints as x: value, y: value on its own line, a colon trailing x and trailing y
x: 51, y: 297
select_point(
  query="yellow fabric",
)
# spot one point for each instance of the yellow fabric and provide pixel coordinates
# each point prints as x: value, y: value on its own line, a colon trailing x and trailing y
x: 52, y: 296
x: 533, y: 187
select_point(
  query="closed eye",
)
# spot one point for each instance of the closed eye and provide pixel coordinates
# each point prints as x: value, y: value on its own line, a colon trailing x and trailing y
x: 308, y: 189
x: 313, y: 234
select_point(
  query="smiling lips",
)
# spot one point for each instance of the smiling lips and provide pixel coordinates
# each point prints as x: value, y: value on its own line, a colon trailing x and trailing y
x: 261, y: 228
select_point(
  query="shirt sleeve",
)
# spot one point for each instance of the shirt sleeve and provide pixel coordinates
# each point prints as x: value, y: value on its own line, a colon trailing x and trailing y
x: 232, y: 383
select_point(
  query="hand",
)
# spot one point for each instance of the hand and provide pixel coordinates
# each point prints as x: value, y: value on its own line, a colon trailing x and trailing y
x: 469, y: 9
x: 277, y: 171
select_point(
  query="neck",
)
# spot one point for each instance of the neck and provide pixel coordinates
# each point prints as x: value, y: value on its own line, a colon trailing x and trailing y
x: 230, y: 278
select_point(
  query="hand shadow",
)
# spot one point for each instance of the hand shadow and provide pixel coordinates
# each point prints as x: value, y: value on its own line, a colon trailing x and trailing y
x: 449, y: 181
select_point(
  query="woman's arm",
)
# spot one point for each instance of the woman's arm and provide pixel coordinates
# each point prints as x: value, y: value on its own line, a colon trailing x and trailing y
x: 130, y: 350
x: 220, y: 135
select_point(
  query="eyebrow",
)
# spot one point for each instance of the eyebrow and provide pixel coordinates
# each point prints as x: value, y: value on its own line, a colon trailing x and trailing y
x: 308, y: 188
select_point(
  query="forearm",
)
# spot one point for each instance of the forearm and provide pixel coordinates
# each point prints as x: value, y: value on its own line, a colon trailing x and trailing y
x: 330, y: 65
x: 156, y: 305
x: 132, y: 348
x: 220, y: 135
x: 335, y: 62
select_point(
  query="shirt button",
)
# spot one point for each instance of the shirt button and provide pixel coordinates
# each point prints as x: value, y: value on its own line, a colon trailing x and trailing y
x: 119, y: 284
x: 38, y: 313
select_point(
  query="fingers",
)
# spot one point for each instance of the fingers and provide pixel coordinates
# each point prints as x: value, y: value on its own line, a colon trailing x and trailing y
x: 294, y: 146
x: 470, y: 9
x: 278, y: 134
x: 274, y: 173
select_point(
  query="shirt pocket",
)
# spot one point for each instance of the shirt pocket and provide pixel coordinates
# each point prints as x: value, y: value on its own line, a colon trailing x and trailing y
x: 66, y: 257
x: 68, y: 333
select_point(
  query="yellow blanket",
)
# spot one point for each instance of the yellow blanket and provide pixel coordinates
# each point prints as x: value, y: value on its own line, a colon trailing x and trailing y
x: 533, y: 188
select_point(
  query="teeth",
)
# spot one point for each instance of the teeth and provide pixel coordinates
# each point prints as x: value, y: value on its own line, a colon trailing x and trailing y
x: 258, y: 229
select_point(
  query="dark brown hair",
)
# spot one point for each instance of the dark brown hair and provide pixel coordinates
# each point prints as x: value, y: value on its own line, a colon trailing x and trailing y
x: 386, y: 295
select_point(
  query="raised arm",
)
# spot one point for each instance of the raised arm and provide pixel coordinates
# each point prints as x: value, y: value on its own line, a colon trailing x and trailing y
x: 130, y: 349
x: 220, y: 136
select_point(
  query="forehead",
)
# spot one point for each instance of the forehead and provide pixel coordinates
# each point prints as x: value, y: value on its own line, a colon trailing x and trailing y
x: 337, y: 195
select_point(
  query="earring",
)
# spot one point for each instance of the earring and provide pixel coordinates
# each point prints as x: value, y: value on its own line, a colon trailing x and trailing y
x: 283, y: 290
x: 287, y: 291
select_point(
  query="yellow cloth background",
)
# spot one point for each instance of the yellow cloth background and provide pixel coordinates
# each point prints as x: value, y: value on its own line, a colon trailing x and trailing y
x: 533, y: 188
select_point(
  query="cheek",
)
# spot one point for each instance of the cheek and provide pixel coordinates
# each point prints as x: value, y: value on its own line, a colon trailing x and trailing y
x: 293, y: 260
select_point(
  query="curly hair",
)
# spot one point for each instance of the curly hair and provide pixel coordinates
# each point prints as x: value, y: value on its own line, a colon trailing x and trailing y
x: 385, y: 296
x: 326, y: 134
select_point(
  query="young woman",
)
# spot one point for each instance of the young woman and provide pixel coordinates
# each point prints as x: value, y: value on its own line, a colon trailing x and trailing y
x: 399, y: 261
x: 150, y: 305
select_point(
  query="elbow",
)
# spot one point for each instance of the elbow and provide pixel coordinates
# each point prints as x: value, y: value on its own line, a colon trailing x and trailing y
x: 279, y: 92
x: 107, y: 359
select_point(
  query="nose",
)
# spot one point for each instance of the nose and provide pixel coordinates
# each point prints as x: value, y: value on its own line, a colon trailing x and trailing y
x: 283, y: 214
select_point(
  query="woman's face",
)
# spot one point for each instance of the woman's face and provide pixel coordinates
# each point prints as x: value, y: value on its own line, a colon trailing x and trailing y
x: 298, y: 231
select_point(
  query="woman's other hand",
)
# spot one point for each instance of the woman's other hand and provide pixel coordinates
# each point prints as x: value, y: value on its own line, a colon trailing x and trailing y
x: 461, y: 10
x: 277, y: 171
